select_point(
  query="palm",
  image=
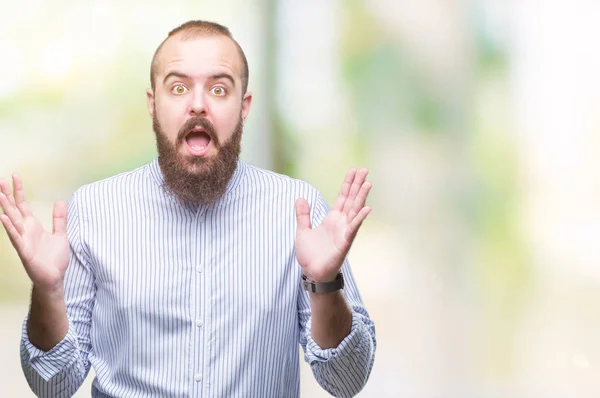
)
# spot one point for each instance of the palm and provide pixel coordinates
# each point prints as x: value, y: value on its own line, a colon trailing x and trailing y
x: 323, y: 245
x: 44, y: 255
x: 321, y: 251
x: 47, y: 255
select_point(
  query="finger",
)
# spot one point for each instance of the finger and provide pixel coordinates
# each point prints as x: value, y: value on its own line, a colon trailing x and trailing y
x: 359, y: 180
x: 360, y: 200
x: 59, y: 218
x: 20, y: 201
x: 338, y: 205
x: 5, y: 203
x: 13, y: 235
x: 343, y: 195
x: 5, y: 189
x: 12, y: 213
x: 348, y: 182
x: 356, y: 223
x: 302, y: 214
x: 356, y: 185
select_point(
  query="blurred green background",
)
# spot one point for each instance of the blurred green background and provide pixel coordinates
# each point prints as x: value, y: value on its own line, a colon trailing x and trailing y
x: 477, y: 119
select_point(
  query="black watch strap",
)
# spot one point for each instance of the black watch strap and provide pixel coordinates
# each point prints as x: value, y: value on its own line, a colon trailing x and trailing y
x: 323, y: 287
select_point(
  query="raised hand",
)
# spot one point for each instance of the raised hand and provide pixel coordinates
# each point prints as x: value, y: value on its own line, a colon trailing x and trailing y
x: 44, y: 255
x: 322, y: 250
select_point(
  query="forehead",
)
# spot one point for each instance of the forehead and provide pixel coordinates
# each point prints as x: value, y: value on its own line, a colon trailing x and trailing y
x: 199, y: 56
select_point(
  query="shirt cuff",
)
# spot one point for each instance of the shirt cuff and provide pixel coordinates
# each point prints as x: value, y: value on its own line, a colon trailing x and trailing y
x: 314, y: 353
x: 49, y: 363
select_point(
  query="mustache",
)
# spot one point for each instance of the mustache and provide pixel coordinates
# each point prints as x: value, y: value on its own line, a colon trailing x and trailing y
x: 202, y: 122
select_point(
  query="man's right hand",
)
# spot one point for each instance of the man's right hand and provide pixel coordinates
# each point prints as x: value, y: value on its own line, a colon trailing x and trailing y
x: 44, y: 255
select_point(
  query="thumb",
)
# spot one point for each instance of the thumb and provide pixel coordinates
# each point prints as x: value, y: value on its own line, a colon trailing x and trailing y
x: 302, y: 214
x: 59, y: 218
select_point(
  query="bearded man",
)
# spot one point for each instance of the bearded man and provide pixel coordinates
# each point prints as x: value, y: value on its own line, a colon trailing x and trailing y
x: 196, y: 275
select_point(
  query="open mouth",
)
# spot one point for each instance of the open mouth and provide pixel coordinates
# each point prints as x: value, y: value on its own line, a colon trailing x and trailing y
x: 197, y: 141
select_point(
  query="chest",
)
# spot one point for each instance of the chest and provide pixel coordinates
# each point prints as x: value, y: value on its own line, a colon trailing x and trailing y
x: 177, y: 265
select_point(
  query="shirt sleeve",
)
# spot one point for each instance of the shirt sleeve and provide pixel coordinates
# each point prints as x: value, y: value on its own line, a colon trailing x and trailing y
x: 344, y: 370
x: 60, y: 371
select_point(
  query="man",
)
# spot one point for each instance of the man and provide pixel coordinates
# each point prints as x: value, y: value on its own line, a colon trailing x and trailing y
x: 188, y: 276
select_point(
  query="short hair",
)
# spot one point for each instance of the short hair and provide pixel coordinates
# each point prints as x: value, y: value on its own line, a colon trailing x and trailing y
x: 195, y: 28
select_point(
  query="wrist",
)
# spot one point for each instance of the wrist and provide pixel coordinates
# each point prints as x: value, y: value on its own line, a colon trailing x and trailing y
x: 321, y: 277
x: 52, y: 292
x: 329, y: 286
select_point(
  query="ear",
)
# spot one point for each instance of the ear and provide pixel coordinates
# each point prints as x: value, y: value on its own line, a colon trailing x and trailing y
x: 246, y: 102
x: 150, y: 101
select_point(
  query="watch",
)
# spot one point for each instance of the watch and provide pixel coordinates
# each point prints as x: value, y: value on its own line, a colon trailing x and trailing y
x: 323, y: 287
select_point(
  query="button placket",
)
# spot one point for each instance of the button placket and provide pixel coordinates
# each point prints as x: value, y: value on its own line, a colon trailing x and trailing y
x: 202, y: 256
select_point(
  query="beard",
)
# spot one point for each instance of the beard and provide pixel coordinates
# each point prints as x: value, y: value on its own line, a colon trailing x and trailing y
x: 197, y: 180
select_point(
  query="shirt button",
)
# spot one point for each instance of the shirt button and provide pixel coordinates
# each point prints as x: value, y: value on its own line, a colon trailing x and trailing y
x: 198, y: 377
x: 199, y: 323
x: 200, y: 268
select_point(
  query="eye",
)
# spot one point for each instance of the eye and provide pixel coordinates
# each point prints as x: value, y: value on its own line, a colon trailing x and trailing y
x: 218, y: 91
x: 179, y: 89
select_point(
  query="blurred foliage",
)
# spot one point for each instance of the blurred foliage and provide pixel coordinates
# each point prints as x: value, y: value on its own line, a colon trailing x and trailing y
x: 386, y: 84
x: 390, y: 86
x: 502, y: 264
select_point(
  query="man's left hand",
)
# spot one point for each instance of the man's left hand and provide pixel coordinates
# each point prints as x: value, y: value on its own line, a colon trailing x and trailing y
x: 321, y: 251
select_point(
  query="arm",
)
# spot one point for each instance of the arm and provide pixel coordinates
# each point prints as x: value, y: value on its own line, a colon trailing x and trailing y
x: 336, y: 332
x: 53, y: 357
x: 344, y: 369
x: 331, y: 318
x: 45, y: 258
x: 47, y: 324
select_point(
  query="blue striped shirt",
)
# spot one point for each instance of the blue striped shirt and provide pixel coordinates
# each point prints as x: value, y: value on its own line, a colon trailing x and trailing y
x: 167, y: 300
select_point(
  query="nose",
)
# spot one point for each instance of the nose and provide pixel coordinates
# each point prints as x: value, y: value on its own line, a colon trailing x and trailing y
x: 198, y: 105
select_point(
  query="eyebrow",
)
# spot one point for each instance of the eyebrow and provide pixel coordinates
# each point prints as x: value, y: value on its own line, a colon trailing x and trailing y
x: 226, y: 76
x: 179, y: 75
x: 183, y: 76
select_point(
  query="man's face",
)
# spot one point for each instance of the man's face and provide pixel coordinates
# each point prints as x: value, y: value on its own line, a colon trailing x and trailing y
x: 198, y: 110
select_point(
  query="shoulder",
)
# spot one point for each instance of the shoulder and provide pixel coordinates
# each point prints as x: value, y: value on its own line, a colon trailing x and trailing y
x: 257, y: 178
x: 114, y: 186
